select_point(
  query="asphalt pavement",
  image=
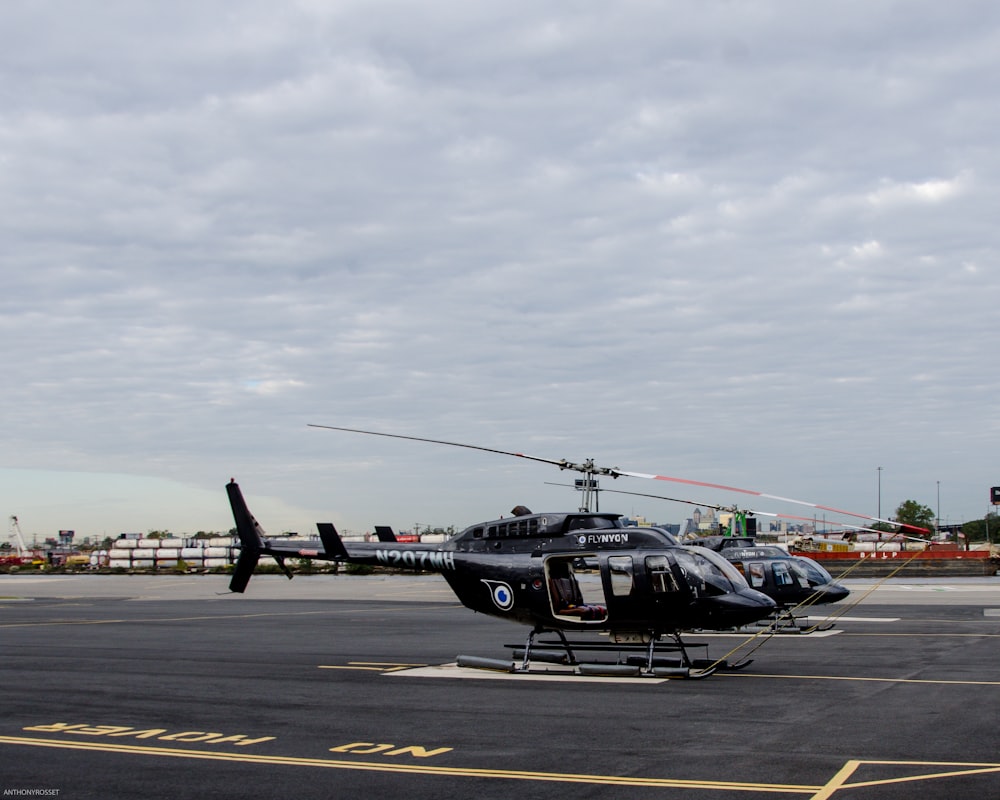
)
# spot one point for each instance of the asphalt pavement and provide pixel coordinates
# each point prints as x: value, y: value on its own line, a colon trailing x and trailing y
x: 345, y: 687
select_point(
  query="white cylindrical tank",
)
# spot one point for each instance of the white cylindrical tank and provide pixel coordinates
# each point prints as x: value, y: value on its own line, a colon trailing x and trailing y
x: 875, y: 547
x: 125, y: 544
x: 220, y: 541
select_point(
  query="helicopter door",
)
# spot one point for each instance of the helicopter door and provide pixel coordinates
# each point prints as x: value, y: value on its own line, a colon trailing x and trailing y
x: 574, y: 593
x: 622, y: 587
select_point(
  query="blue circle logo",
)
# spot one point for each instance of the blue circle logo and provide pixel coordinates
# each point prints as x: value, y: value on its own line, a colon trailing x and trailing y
x: 502, y: 594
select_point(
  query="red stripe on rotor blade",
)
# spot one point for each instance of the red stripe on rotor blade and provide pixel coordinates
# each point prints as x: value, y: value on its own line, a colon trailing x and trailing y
x: 757, y: 494
x: 703, y: 483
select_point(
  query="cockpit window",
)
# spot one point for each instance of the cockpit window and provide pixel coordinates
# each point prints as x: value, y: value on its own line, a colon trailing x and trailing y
x: 755, y: 574
x: 814, y: 574
x: 782, y: 574
x: 709, y: 573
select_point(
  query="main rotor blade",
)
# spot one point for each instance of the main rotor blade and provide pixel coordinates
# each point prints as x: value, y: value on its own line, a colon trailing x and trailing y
x: 754, y: 494
x: 562, y: 464
x: 730, y: 509
x: 588, y: 468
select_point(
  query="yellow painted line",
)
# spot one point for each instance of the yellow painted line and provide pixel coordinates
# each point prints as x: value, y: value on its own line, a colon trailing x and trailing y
x: 855, y: 678
x: 373, y: 666
x: 370, y: 669
x: 413, y: 769
x: 840, y: 781
x: 924, y: 777
x: 837, y: 781
x: 968, y: 769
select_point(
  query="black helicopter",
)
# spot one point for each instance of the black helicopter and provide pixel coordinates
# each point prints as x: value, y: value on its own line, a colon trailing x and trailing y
x: 792, y: 581
x: 525, y: 569
x: 555, y: 572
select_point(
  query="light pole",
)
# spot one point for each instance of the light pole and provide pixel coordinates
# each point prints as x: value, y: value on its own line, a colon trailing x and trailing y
x: 938, y: 507
x: 879, y: 514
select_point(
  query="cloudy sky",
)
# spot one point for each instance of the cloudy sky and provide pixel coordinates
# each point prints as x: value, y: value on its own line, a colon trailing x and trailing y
x: 752, y: 244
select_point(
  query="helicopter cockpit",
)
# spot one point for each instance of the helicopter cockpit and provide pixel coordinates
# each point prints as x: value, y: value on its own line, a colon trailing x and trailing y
x: 814, y: 574
x: 708, y: 573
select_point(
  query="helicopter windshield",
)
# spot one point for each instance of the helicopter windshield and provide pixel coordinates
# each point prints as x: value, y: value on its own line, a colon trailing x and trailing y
x: 709, y: 573
x: 811, y: 571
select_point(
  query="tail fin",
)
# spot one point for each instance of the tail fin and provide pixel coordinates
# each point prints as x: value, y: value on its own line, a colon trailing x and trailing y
x: 385, y: 533
x: 333, y: 545
x: 251, y: 539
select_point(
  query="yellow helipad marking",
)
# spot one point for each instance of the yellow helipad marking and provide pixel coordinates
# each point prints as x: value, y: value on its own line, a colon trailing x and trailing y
x: 418, y: 769
x: 372, y: 666
x: 840, y: 781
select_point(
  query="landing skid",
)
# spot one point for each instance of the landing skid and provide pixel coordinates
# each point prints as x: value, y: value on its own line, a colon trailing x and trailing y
x: 632, y: 660
x: 784, y: 622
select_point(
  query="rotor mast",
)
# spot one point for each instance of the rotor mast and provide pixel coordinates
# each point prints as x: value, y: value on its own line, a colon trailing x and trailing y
x: 589, y: 488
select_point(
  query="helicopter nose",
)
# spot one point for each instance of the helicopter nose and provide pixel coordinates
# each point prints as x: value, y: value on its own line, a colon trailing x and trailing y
x: 832, y: 592
x: 740, y: 608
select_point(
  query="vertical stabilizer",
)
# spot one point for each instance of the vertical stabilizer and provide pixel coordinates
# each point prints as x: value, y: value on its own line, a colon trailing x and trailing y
x: 251, y: 539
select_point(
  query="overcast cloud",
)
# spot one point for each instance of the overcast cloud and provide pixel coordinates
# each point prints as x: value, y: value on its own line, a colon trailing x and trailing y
x: 746, y: 243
